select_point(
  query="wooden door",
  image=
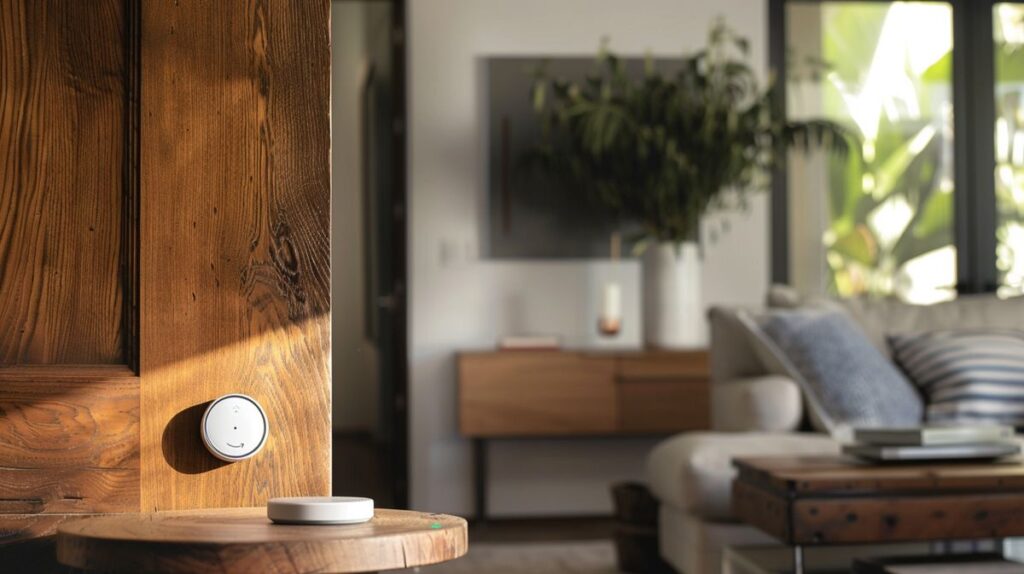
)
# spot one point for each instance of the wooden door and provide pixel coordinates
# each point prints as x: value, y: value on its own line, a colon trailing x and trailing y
x: 69, y: 397
x: 164, y: 239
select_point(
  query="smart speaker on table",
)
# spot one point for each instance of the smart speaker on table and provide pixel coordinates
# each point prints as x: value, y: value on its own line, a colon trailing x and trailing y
x: 320, y: 510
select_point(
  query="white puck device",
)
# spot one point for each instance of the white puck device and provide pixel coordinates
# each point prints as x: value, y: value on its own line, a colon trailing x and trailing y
x: 320, y: 510
x: 234, y: 427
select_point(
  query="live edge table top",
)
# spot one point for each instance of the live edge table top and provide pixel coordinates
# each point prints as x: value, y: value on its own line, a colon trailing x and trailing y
x: 229, y: 540
x: 840, y: 500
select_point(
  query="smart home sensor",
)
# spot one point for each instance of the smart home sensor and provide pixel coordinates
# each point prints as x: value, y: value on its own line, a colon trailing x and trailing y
x: 234, y: 427
x: 320, y: 510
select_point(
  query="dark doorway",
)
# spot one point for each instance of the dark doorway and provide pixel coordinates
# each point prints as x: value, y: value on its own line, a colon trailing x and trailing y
x: 368, y: 250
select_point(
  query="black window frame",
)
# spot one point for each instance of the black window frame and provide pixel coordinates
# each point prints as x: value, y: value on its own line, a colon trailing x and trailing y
x: 974, y: 213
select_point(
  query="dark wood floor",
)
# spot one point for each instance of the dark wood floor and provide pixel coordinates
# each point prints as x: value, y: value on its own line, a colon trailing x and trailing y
x: 361, y: 468
x: 542, y: 529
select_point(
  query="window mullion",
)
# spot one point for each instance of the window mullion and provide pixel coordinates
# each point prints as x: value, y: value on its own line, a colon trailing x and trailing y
x: 974, y: 78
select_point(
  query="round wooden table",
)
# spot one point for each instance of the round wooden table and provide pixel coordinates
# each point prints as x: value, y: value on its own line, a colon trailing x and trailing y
x: 227, y: 540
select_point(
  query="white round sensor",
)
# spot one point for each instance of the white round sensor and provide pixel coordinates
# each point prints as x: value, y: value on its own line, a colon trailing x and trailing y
x: 320, y: 510
x: 234, y: 427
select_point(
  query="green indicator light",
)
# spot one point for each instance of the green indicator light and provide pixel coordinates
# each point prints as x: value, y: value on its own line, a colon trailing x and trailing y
x: 435, y: 525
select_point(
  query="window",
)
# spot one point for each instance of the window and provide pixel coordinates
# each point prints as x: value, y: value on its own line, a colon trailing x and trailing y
x: 879, y: 221
x: 933, y: 203
x: 1008, y: 34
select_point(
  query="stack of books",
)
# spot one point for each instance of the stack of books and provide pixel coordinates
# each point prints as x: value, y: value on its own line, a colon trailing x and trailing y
x: 948, y: 564
x: 530, y: 343
x: 933, y: 443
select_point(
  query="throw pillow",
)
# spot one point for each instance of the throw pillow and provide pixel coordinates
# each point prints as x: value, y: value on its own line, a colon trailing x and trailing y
x: 846, y: 380
x: 966, y: 376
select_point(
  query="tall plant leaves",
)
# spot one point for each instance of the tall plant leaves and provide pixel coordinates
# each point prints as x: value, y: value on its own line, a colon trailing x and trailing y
x: 661, y: 150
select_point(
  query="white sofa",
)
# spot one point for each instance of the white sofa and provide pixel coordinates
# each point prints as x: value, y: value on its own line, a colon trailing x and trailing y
x: 757, y: 413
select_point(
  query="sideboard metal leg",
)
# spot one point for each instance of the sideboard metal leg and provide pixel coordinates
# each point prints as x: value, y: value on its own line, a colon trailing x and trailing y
x: 798, y: 559
x: 480, y: 479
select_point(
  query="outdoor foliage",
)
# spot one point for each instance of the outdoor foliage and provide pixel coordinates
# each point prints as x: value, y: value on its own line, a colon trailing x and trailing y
x: 1009, y: 68
x: 890, y: 212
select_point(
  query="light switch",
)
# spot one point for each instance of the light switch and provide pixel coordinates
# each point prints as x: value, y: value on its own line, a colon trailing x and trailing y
x: 234, y: 427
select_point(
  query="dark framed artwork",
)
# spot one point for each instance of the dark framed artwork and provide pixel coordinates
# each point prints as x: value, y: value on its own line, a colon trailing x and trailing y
x: 532, y: 215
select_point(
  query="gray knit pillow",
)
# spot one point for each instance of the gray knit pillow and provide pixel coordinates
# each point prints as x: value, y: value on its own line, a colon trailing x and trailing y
x: 847, y: 381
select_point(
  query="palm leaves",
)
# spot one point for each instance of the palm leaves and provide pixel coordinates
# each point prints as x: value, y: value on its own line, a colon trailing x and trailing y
x: 661, y: 151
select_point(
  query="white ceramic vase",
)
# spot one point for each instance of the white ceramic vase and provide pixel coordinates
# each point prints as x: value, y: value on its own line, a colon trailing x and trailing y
x: 673, y: 305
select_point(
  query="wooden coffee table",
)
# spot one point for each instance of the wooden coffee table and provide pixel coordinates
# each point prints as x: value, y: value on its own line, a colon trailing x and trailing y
x: 838, y: 500
x: 242, y: 540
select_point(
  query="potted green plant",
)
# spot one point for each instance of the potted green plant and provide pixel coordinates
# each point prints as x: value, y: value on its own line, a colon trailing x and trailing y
x: 661, y: 151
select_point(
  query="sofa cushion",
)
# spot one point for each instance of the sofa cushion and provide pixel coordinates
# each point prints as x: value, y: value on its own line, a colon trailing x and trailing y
x: 880, y: 317
x: 846, y: 381
x: 732, y: 352
x: 768, y: 403
x: 693, y: 471
x: 968, y: 376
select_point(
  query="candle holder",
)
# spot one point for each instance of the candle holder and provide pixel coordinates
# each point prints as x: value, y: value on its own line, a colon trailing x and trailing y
x: 609, y: 324
x: 609, y: 327
x: 613, y: 320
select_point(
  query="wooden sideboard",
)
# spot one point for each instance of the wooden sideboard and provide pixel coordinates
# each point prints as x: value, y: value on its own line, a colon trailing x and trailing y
x: 563, y: 393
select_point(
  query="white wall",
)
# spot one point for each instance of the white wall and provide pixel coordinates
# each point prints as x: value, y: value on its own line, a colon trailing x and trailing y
x: 460, y: 301
x: 354, y: 358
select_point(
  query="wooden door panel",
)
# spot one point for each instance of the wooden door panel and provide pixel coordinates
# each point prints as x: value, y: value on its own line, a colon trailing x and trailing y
x: 21, y: 527
x: 63, y: 417
x: 69, y: 404
x: 234, y: 244
x: 62, y: 106
x: 140, y: 278
x: 69, y: 439
x: 68, y: 491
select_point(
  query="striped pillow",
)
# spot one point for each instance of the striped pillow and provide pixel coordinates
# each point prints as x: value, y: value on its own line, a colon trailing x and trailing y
x: 966, y: 376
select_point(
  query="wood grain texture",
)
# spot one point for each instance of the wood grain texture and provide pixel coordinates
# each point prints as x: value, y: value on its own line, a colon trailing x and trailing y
x: 663, y: 406
x: 806, y: 475
x: 566, y: 393
x: 234, y: 244
x: 17, y: 528
x: 762, y: 508
x: 69, y: 439
x: 526, y: 393
x: 835, y: 500
x: 64, y: 417
x: 908, y: 518
x: 61, y: 192
x: 71, y: 490
x: 656, y: 364
x: 242, y: 540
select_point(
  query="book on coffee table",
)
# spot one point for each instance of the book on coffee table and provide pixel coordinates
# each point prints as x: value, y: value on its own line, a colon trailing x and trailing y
x: 529, y: 343
x: 972, y: 564
x: 932, y: 452
x: 933, y: 436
